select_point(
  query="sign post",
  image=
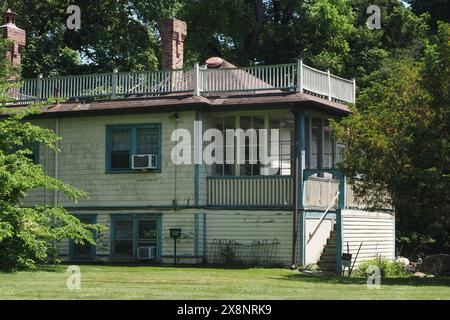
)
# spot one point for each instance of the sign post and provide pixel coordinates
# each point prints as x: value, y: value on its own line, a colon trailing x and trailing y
x: 175, y: 233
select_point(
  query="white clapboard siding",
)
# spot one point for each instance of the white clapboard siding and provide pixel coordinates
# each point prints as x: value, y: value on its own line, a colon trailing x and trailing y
x: 82, y: 164
x: 315, y: 244
x: 375, y: 230
x: 185, y: 244
x: 245, y: 227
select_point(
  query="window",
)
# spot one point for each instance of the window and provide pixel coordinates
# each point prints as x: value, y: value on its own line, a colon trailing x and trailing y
x: 285, y: 123
x: 84, y: 251
x: 328, y: 145
x: 131, y: 233
x: 124, y: 141
x: 323, y: 152
x: 222, y: 124
x: 251, y: 122
x: 316, y: 144
x: 123, y: 242
x: 281, y: 166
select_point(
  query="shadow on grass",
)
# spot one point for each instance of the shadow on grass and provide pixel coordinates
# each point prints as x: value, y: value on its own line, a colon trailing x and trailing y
x: 164, y: 265
x: 39, y: 268
x: 51, y: 268
x: 408, y: 281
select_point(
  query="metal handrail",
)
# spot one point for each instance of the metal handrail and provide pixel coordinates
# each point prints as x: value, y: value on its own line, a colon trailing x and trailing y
x: 311, y: 234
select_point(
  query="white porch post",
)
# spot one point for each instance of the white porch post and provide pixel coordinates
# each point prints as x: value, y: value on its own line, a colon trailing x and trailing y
x: 300, y: 75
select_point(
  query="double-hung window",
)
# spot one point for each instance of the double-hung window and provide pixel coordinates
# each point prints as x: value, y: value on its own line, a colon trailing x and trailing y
x: 126, y: 141
x: 85, y: 251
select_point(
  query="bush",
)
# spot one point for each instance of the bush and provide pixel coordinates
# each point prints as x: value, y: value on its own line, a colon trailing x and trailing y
x: 388, y: 268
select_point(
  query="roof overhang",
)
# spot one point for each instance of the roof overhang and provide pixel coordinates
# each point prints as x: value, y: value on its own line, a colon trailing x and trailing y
x: 189, y: 102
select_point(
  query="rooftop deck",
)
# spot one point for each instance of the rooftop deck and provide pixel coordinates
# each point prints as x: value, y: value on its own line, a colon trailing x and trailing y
x: 296, y: 77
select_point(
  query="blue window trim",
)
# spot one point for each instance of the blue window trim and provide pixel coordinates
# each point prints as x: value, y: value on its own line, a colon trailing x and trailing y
x: 133, y: 128
x: 135, y: 218
x: 36, y: 150
x: 92, y: 219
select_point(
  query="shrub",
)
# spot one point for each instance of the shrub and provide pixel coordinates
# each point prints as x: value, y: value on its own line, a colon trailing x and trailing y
x: 388, y: 268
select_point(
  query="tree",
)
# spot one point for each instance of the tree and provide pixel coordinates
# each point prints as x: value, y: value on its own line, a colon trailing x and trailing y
x: 28, y: 235
x: 399, y: 140
x: 437, y: 10
x: 402, y: 35
x: 114, y: 34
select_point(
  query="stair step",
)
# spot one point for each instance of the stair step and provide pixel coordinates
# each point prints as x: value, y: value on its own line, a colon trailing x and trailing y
x: 326, y: 265
x: 328, y: 255
x: 328, y: 258
x: 331, y: 251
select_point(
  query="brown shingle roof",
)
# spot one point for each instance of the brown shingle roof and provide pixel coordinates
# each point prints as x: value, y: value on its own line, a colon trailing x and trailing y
x: 282, y: 99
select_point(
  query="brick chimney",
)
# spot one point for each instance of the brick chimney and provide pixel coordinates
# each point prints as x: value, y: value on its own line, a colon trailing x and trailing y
x: 173, y: 32
x: 17, y: 36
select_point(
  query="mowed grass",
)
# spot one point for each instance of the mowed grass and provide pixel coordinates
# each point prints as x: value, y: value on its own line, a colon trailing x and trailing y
x: 120, y: 282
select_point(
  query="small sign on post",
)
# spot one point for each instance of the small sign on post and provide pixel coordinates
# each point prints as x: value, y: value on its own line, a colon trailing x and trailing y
x: 175, y: 233
x: 347, y: 260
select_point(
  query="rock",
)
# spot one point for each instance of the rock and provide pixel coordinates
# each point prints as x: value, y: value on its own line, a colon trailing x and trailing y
x: 410, y: 268
x: 436, y: 264
x: 403, y: 260
x: 420, y: 275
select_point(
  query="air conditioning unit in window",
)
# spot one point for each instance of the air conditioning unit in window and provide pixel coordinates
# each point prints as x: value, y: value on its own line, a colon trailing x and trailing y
x: 144, y: 161
x: 146, y: 253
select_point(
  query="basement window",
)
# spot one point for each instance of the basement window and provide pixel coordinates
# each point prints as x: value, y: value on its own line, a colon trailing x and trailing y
x: 85, y: 251
x: 126, y: 141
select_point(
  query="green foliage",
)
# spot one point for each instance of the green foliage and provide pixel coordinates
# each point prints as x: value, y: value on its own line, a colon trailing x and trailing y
x: 388, y: 268
x: 436, y: 10
x: 120, y: 34
x: 325, y: 33
x: 399, y: 141
x: 28, y: 235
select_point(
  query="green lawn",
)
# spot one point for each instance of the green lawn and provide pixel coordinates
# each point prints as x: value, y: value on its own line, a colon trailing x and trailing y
x: 118, y: 282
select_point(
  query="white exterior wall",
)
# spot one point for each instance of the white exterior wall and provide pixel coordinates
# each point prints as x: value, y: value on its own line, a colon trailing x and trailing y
x: 82, y: 164
x: 375, y: 230
x: 314, y: 247
x: 245, y: 226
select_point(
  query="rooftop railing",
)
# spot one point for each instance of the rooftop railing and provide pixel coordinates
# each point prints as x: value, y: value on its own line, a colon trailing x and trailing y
x: 199, y: 80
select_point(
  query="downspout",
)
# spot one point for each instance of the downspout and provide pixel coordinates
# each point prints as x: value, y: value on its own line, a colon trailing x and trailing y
x: 174, y: 201
x: 197, y: 158
x: 300, y: 193
x: 295, y: 194
x: 55, y: 197
x: 46, y: 173
x: 299, y: 165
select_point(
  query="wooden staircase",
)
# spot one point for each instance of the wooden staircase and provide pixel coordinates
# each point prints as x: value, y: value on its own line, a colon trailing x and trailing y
x: 327, y: 261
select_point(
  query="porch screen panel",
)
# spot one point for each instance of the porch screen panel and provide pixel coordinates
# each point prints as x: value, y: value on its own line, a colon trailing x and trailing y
x: 316, y: 143
x: 285, y: 124
x: 251, y: 122
x: 328, y: 145
x: 222, y: 124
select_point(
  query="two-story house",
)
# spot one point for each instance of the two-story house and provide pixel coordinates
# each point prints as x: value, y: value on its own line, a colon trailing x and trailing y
x: 120, y: 144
